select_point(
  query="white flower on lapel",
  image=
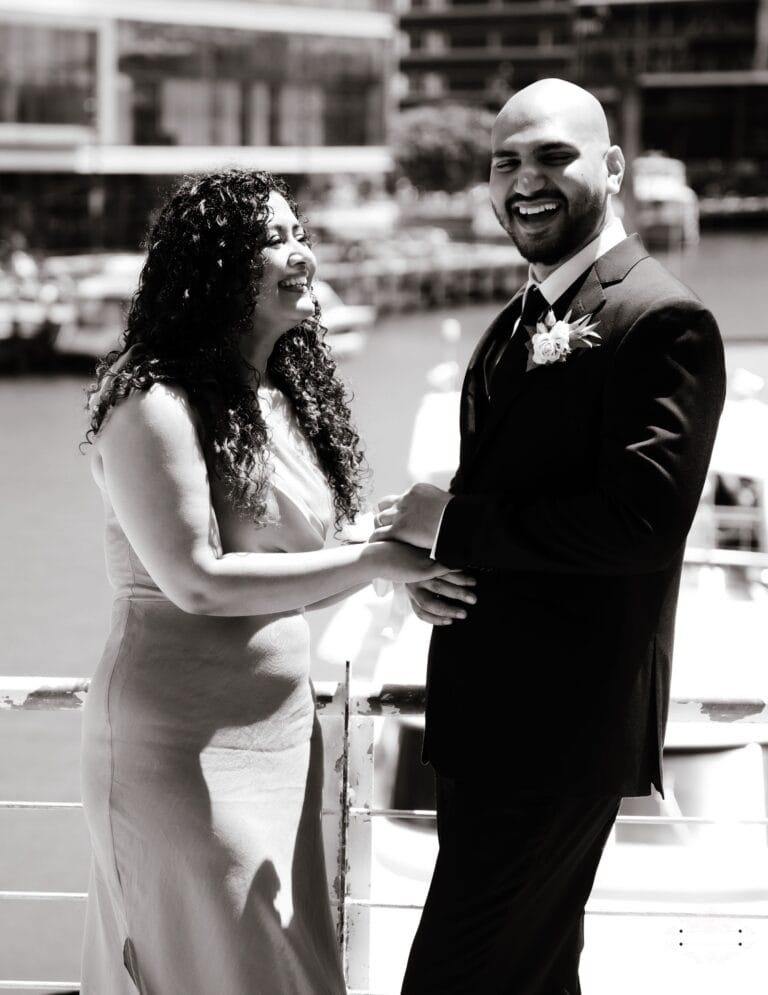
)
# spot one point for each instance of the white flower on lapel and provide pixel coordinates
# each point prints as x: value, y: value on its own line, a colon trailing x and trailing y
x: 552, y: 341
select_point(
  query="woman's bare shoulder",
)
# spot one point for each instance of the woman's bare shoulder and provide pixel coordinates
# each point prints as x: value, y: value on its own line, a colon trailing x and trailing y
x: 162, y: 413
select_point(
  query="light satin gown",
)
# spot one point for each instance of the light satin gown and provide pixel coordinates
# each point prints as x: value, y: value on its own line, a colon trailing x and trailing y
x: 202, y: 773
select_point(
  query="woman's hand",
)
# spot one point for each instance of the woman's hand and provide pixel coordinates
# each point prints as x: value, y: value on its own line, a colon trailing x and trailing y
x: 413, y: 516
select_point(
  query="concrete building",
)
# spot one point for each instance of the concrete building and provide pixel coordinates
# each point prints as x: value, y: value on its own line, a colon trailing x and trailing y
x: 689, y: 77
x: 102, y: 102
x: 482, y: 50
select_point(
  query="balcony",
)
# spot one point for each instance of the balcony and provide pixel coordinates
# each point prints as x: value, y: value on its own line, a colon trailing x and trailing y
x: 425, y: 60
x: 443, y: 12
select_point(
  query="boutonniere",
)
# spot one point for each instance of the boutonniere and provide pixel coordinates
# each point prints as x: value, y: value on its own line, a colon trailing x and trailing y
x: 552, y: 341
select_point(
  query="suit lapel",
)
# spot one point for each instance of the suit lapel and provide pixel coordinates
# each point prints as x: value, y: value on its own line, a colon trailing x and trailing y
x: 585, y: 296
x: 474, y: 400
x: 615, y: 264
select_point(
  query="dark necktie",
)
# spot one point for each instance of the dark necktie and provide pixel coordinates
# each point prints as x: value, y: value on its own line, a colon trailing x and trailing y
x: 534, y: 305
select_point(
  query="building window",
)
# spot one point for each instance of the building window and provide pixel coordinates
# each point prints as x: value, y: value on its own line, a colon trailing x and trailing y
x: 256, y: 114
x: 47, y: 75
x: 434, y: 42
x: 185, y: 85
x: 470, y: 38
x: 692, y: 37
x: 434, y: 84
x: 300, y: 116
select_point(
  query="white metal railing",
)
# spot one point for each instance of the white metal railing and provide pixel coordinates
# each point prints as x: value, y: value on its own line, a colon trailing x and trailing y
x: 348, y: 713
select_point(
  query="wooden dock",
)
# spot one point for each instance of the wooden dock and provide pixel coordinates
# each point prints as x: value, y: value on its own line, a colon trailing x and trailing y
x: 457, y: 273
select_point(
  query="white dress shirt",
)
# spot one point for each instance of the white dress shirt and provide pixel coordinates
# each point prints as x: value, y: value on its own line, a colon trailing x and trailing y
x: 555, y: 285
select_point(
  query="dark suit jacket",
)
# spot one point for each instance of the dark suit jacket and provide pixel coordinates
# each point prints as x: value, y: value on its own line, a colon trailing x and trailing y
x: 576, y: 488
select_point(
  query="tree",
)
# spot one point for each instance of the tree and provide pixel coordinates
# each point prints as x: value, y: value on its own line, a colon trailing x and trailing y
x: 443, y: 147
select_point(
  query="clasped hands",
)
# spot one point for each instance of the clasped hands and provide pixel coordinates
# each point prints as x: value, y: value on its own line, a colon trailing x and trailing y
x: 414, y: 517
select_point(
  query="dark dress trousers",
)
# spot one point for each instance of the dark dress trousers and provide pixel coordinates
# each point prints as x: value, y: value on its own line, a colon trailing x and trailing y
x: 577, y: 485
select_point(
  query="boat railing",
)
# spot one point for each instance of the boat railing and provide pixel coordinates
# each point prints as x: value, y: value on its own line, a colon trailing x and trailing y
x: 349, y: 711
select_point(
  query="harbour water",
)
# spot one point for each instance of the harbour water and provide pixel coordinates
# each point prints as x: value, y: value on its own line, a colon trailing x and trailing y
x: 54, y: 601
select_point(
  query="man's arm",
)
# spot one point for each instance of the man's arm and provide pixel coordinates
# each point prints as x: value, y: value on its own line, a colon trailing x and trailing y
x: 662, y: 403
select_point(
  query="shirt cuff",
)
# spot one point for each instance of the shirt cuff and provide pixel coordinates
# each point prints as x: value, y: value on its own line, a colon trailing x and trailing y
x: 433, y: 550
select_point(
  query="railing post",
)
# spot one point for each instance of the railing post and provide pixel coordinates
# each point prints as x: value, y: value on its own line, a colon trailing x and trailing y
x: 331, y: 705
x: 360, y: 754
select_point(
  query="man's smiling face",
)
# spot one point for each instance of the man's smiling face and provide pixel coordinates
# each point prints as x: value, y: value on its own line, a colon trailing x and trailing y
x: 552, y: 170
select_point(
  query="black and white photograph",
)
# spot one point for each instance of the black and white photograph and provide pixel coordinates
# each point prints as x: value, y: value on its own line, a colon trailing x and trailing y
x: 384, y: 497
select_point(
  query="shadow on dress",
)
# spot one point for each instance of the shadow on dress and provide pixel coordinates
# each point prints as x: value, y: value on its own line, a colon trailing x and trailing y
x: 310, y: 937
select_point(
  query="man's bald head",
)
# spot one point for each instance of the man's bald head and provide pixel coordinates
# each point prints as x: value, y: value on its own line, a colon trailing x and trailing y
x: 553, y: 170
x: 559, y: 102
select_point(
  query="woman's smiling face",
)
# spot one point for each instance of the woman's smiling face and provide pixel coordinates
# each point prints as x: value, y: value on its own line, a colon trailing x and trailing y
x: 289, y: 267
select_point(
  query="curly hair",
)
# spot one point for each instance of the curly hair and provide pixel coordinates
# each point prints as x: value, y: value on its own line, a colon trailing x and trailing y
x: 196, y: 296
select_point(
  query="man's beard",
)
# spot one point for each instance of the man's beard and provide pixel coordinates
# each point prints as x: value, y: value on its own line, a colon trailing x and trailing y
x: 576, y: 228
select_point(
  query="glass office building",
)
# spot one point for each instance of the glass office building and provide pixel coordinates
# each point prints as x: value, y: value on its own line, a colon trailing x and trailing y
x: 99, y: 112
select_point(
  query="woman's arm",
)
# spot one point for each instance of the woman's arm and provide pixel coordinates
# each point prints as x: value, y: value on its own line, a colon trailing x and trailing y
x: 156, y: 477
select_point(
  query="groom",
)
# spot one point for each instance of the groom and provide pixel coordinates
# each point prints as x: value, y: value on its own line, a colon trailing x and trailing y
x: 585, y: 440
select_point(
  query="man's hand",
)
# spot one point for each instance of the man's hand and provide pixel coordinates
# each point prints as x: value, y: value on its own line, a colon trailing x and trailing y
x: 412, y: 517
x: 442, y: 600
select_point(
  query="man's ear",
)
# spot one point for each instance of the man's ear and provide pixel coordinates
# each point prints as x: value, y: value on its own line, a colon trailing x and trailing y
x: 614, y: 161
